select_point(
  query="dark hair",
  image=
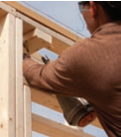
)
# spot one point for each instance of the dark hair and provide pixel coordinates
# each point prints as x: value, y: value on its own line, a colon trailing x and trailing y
x: 112, y: 8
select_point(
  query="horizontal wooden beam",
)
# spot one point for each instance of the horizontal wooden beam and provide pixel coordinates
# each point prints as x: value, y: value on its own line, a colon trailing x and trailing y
x: 37, y: 39
x: 54, y: 129
x: 41, y: 19
x: 38, y: 33
x: 44, y: 40
x: 45, y: 99
x: 4, y: 8
x: 50, y: 101
x: 59, y: 42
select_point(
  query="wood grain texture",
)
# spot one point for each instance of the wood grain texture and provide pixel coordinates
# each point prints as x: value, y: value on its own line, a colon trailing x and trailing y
x: 41, y: 19
x: 19, y: 79
x: 27, y: 112
x: 7, y: 73
x: 55, y: 129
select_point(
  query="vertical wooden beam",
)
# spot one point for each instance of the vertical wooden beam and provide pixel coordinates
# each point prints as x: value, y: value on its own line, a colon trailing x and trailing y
x: 27, y: 112
x: 19, y: 80
x: 7, y: 76
x: 23, y: 93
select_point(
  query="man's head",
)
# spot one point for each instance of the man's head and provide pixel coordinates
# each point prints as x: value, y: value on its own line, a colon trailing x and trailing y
x: 97, y: 13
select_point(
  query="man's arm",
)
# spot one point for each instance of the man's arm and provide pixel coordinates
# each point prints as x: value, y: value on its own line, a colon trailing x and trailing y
x: 55, y: 77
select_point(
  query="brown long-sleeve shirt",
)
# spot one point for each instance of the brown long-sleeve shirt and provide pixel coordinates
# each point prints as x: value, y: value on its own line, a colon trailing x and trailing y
x: 90, y: 69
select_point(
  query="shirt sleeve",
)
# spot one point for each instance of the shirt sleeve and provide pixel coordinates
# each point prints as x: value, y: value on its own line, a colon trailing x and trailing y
x: 54, y: 77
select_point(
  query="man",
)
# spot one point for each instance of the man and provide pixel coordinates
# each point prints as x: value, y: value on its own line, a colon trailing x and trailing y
x: 90, y: 69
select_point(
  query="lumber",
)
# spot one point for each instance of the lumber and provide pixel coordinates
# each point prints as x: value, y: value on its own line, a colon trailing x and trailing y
x: 19, y: 79
x: 4, y: 8
x: 45, y: 99
x: 54, y: 129
x: 42, y: 20
x: 38, y: 33
x: 36, y: 40
x: 58, y: 39
x: 2, y: 13
x: 27, y: 112
x: 50, y: 101
x: 59, y: 42
x: 55, y: 43
x: 7, y: 81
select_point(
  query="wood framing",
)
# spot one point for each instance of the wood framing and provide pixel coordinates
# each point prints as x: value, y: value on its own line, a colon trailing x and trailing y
x: 7, y: 81
x: 20, y: 26
x: 50, y: 100
x: 27, y: 112
x: 59, y: 42
x: 19, y: 79
x: 38, y: 37
x: 55, y: 129
x: 41, y: 19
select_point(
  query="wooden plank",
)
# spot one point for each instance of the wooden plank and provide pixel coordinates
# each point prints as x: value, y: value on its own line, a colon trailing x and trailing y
x: 55, y: 44
x: 29, y: 25
x: 19, y: 80
x: 7, y: 73
x: 50, y: 101
x: 60, y: 45
x: 41, y: 19
x: 45, y: 99
x: 38, y: 37
x: 6, y: 8
x: 59, y: 42
x: 53, y: 129
x: 27, y: 112
x: 2, y: 13
x: 38, y: 33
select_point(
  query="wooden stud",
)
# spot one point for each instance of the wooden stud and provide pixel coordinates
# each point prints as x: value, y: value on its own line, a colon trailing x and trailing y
x: 19, y: 80
x: 27, y: 112
x: 7, y: 73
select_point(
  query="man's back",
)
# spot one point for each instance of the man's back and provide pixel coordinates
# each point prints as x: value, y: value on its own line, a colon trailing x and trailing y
x: 99, y: 69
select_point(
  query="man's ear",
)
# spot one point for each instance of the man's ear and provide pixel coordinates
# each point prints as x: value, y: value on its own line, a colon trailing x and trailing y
x: 93, y: 9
